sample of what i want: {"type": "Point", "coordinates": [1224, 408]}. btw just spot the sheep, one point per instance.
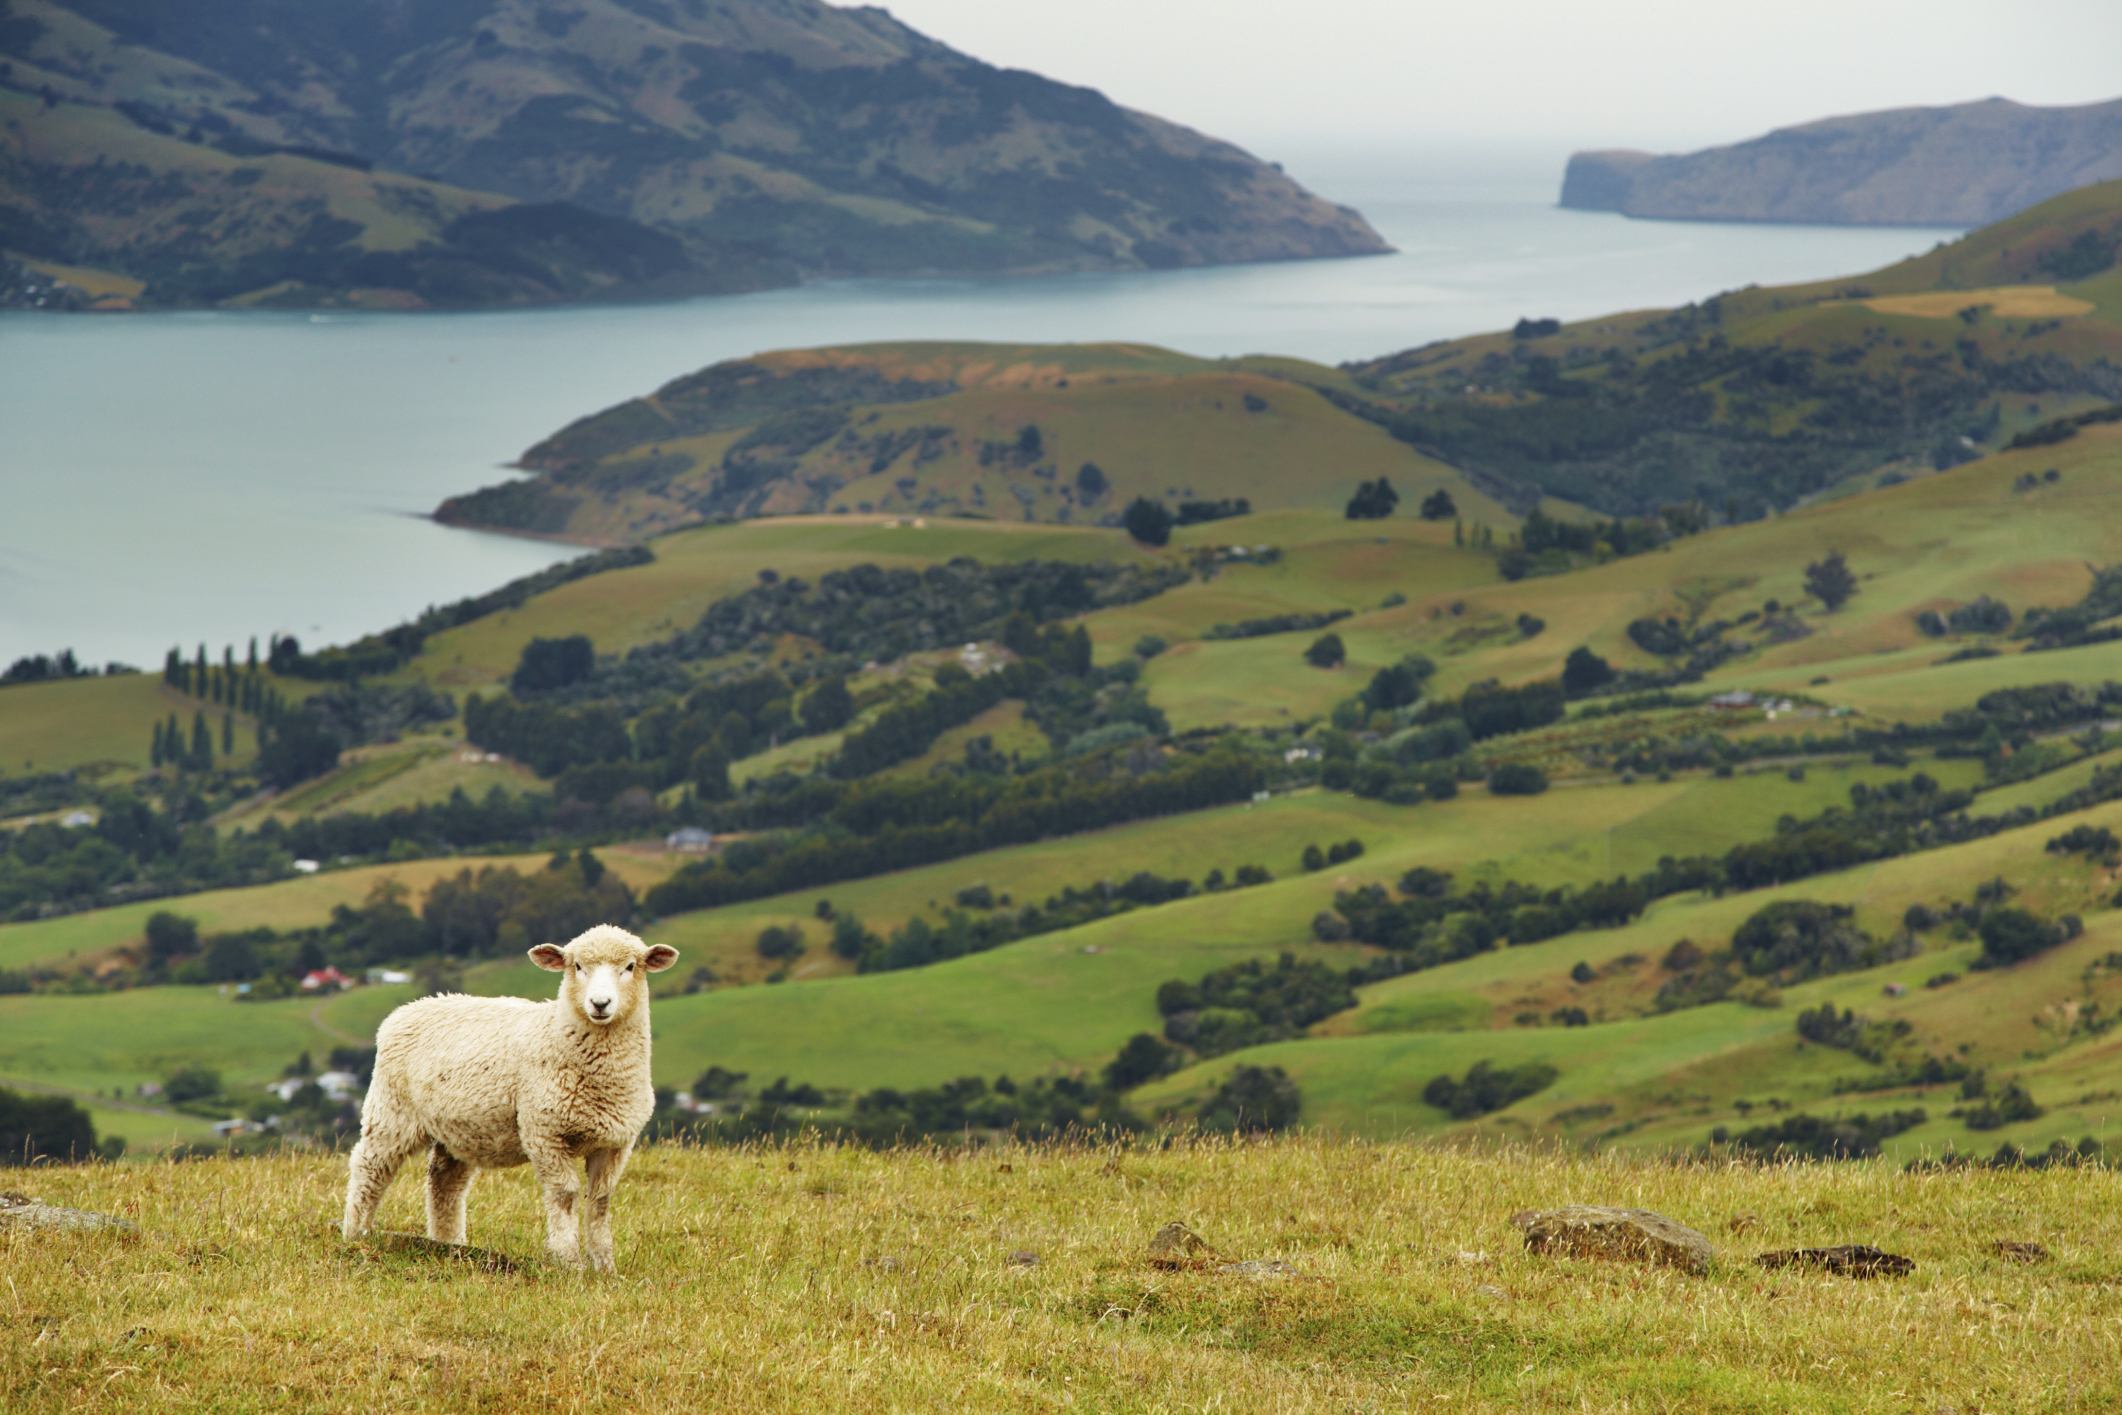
{"type": "Point", "coordinates": [492, 1082]}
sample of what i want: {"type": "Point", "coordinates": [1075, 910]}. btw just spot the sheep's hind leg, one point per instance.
{"type": "Point", "coordinates": [370, 1169]}
{"type": "Point", "coordinates": [604, 1168]}
{"type": "Point", "coordinates": [449, 1179]}
{"type": "Point", "coordinates": [555, 1169]}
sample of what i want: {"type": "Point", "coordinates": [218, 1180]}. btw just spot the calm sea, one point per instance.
{"type": "Point", "coordinates": [174, 478]}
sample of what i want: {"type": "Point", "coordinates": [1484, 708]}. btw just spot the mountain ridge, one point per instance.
{"type": "Point", "coordinates": [1966, 164]}
{"type": "Point", "coordinates": [778, 133]}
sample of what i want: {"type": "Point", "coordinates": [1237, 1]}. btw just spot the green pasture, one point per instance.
{"type": "Point", "coordinates": [121, 1039]}
{"type": "Point", "coordinates": [81, 722]}
{"type": "Point", "coordinates": [421, 770]}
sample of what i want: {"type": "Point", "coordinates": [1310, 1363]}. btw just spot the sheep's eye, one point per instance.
{"type": "Point", "coordinates": [629, 967]}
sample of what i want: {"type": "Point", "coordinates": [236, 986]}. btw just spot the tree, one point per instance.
{"type": "Point", "coordinates": [1144, 1058]}
{"type": "Point", "coordinates": [1148, 521]}
{"type": "Point", "coordinates": [297, 750]}
{"type": "Point", "coordinates": [1517, 779]}
{"type": "Point", "coordinates": [553, 663]}
{"type": "Point", "coordinates": [778, 943]}
{"type": "Point", "coordinates": [1090, 482]}
{"type": "Point", "coordinates": [202, 756]}
{"type": "Point", "coordinates": [44, 1128]}
{"type": "Point", "coordinates": [828, 707]}
{"type": "Point", "coordinates": [228, 734]}
{"type": "Point", "coordinates": [1439, 506]}
{"type": "Point", "coordinates": [1830, 581]}
{"type": "Point", "coordinates": [1327, 651]}
{"type": "Point", "coordinates": [1255, 1098]}
{"type": "Point", "coordinates": [1585, 671]}
{"type": "Point", "coordinates": [1373, 501]}
{"type": "Point", "coordinates": [710, 773]}
{"type": "Point", "coordinates": [171, 936]}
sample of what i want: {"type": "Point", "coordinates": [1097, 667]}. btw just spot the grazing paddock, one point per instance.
{"type": "Point", "coordinates": [1385, 1276]}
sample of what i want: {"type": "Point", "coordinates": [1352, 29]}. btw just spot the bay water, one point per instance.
{"type": "Point", "coordinates": [208, 476]}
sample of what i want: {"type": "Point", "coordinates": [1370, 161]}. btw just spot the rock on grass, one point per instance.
{"type": "Point", "coordinates": [1630, 1235]}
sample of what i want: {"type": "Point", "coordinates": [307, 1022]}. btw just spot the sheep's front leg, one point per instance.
{"type": "Point", "coordinates": [604, 1168]}
{"type": "Point", "coordinates": [448, 1180]}
{"type": "Point", "coordinates": [556, 1176]}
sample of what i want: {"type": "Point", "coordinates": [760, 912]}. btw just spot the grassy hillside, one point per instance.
{"type": "Point", "coordinates": [188, 223]}
{"type": "Point", "coordinates": [1752, 402]}
{"type": "Point", "coordinates": [888, 1282]}
{"type": "Point", "coordinates": [1000, 432]}
{"type": "Point", "coordinates": [708, 150]}
{"type": "Point", "coordinates": [1762, 397]}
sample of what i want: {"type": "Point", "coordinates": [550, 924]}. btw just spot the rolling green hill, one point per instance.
{"type": "Point", "coordinates": [1761, 398]}
{"type": "Point", "coordinates": [1751, 403]}
{"type": "Point", "coordinates": [1039, 706]}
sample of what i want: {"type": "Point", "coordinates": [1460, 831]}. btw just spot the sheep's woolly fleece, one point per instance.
{"type": "Point", "coordinates": [488, 1083]}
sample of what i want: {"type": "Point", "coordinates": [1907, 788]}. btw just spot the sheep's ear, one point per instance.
{"type": "Point", "coordinates": [659, 957]}
{"type": "Point", "coordinates": [549, 957]}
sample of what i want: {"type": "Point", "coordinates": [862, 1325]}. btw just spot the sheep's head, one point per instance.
{"type": "Point", "coordinates": [604, 971]}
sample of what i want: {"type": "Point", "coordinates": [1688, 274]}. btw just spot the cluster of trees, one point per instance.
{"type": "Point", "coordinates": [1981, 616]}
{"type": "Point", "coordinates": [906, 730]}
{"type": "Point", "coordinates": [53, 668]}
{"type": "Point", "coordinates": [1194, 513]}
{"type": "Point", "coordinates": [1816, 1138]}
{"type": "Point", "coordinates": [867, 613]}
{"type": "Point", "coordinates": [133, 851]}
{"type": "Point", "coordinates": [1148, 521]}
{"type": "Point", "coordinates": [1250, 1003]}
{"type": "Point", "coordinates": [1487, 1087]}
{"type": "Point", "coordinates": [49, 1130]}
{"type": "Point", "coordinates": [482, 914]}
{"type": "Point", "coordinates": [1543, 545]}
{"type": "Point", "coordinates": [1434, 925]}
{"type": "Point", "coordinates": [876, 826]}
{"type": "Point", "coordinates": [169, 746]}
{"type": "Point", "coordinates": [971, 1107]}
{"type": "Point", "coordinates": [1277, 624]}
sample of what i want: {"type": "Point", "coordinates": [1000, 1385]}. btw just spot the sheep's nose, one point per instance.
{"type": "Point", "coordinates": [600, 1004]}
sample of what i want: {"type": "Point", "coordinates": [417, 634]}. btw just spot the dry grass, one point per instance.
{"type": "Point", "coordinates": [2006, 302]}
{"type": "Point", "coordinates": [828, 1279]}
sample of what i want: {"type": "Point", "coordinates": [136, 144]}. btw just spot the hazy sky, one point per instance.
{"type": "Point", "coordinates": [1567, 73]}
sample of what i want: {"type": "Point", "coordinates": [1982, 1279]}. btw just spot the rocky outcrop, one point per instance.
{"type": "Point", "coordinates": [1965, 165]}
{"type": "Point", "coordinates": [1632, 1235]}
{"type": "Point", "coordinates": [21, 1212]}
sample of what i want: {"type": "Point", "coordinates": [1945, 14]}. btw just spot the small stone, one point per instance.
{"type": "Point", "coordinates": [1492, 1292]}
{"type": "Point", "coordinates": [1023, 1258]}
{"type": "Point", "coordinates": [1741, 1222]}
{"type": "Point", "coordinates": [1849, 1259]}
{"type": "Point", "coordinates": [887, 1263]}
{"type": "Point", "coordinates": [21, 1211]}
{"type": "Point", "coordinates": [1272, 1267]}
{"type": "Point", "coordinates": [1596, 1231]}
{"type": "Point", "coordinates": [1177, 1246]}
{"type": "Point", "coordinates": [2012, 1251]}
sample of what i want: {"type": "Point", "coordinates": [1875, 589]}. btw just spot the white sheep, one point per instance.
{"type": "Point", "coordinates": [491, 1082]}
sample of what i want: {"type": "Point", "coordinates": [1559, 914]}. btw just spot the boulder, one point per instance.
{"type": "Point", "coordinates": [1633, 1235]}
{"type": "Point", "coordinates": [1849, 1259]}
{"type": "Point", "coordinates": [1177, 1246]}
{"type": "Point", "coordinates": [20, 1211]}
